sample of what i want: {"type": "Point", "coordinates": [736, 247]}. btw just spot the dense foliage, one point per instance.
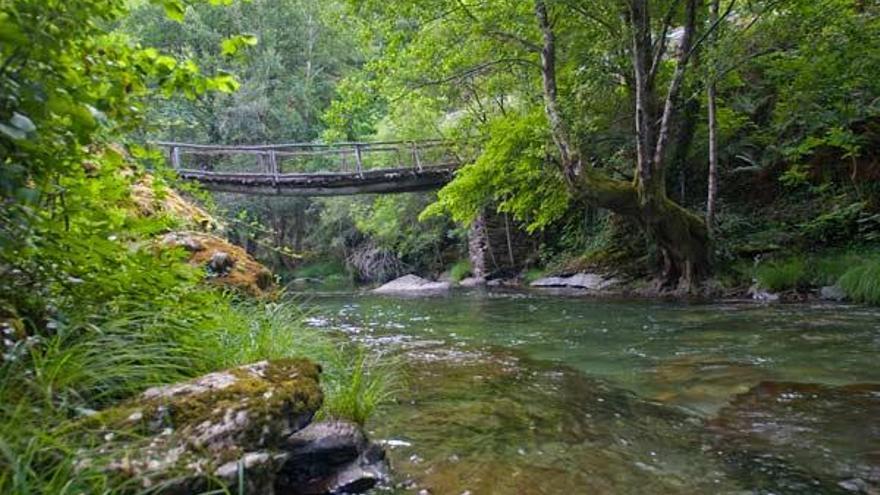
{"type": "Point", "coordinates": [540, 98]}
{"type": "Point", "coordinates": [91, 312]}
{"type": "Point", "coordinates": [797, 113]}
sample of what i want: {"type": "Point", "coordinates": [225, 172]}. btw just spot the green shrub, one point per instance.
{"type": "Point", "coordinates": [862, 283]}
{"type": "Point", "coordinates": [787, 274]}
{"type": "Point", "coordinates": [321, 269]}
{"type": "Point", "coordinates": [532, 274]}
{"type": "Point", "coordinates": [460, 270]}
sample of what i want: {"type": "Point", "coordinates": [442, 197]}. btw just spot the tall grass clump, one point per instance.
{"type": "Point", "coordinates": [862, 283]}
{"type": "Point", "coordinates": [786, 274]}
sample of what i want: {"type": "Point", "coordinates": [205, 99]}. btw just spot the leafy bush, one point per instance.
{"type": "Point", "coordinates": [90, 312]}
{"type": "Point", "coordinates": [460, 270]}
{"type": "Point", "coordinates": [851, 268]}
{"type": "Point", "coordinates": [321, 269]}
{"type": "Point", "coordinates": [533, 274]}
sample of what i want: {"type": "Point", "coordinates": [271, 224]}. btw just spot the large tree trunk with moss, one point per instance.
{"type": "Point", "coordinates": [681, 236]}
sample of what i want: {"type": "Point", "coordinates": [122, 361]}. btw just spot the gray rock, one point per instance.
{"type": "Point", "coordinates": [832, 293]}
{"type": "Point", "coordinates": [221, 262]}
{"type": "Point", "coordinates": [589, 281]}
{"type": "Point", "coordinates": [409, 284]}
{"type": "Point", "coordinates": [470, 282]}
{"type": "Point", "coordinates": [759, 294]}
{"type": "Point", "coordinates": [333, 457]}
{"type": "Point", "coordinates": [183, 240]}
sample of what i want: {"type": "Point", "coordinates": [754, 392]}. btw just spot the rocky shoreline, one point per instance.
{"type": "Point", "coordinates": [251, 426]}
{"type": "Point", "coordinates": [587, 284]}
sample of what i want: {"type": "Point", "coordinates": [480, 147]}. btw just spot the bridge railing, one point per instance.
{"type": "Point", "coordinates": [311, 159]}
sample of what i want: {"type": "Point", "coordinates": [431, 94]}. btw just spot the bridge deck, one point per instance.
{"type": "Point", "coordinates": [317, 169]}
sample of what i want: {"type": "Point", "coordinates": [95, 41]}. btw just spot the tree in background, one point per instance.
{"type": "Point", "coordinates": [573, 102]}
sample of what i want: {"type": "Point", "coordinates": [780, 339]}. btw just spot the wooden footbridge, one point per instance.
{"type": "Point", "coordinates": [316, 169]}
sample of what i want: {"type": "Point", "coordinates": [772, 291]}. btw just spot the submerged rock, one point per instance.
{"type": "Point", "coordinates": [784, 437]}
{"type": "Point", "coordinates": [412, 284]}
{"type": "Point", "coordinates": [832, 293]}
{"type": "Point", "coordinates": [589, 281]}
{"type": "Point", "coordinates": [249, 424]}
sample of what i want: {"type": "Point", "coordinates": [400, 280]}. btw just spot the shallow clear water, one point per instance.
{"type": "Point", "coordinates": [530, 394]}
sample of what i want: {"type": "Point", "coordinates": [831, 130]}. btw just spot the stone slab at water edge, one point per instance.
{"type": "Point", "coordinates": [412, 284]}
{"type": "Point", "coordinates": [589, 281]}
{"type": "Point", "coordinates": [250, 425]}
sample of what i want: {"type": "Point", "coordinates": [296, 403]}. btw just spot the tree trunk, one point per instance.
{"type": "Point", "coordinates": [681, 236]}
{"type": "Point", "coordinates": [713, 135]}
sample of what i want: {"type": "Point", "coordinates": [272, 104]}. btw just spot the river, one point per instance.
{"type": "Point", "coordinates": [517, 393]}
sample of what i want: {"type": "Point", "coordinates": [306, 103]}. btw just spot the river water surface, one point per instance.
{"type": "Point", "coordinates": [514, 393]}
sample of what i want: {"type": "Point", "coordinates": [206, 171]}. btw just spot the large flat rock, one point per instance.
{"type": "Point", "coordinates": [412, 284]}
{"type": "Point", "coordinates": [589, 281]}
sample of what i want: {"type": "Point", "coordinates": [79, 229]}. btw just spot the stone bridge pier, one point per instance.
{"type": "Point", "coordinates": [498, 247]}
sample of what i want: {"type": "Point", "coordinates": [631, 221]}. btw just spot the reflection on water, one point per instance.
{"type": "Point", "coordinates": [516, 394]}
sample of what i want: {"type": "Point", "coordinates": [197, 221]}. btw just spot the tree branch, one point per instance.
{"type": "Point", "coordinates": [558, 128]}
{"type": "Point", "coordinates": [674, 89]}
{"type": "Point", "coordinates": [472, 71]}
{"type": "Point", "coordinates": [661, 42]}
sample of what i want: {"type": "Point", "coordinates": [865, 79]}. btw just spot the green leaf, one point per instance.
{"type": "Point", "coordinates": [174, 9]}
{"type": "Point", "coordinates": [231, 46]}
{"type": "Point", "coordinates": [225, 83]}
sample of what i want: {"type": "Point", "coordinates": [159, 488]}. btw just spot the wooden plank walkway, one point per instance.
{"type": "Point", "coordinates": [305, 169]}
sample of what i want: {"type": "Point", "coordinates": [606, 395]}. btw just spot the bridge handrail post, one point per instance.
{"type": "Point", "coordinates": [415, 154]}
{"type": "Point", "coordinates": [175, 157]}
{"type": "Point", "coordinates": [273, 162]}
{"type": "Point", "coordinates": [359, 160]}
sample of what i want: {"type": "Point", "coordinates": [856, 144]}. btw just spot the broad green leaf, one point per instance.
{"type": "Point", "coordinates": [231, 46]}
{"type": "Point", "coordinates": [174, 9]}
{"type": "Point", "coordinates": [225, 83]}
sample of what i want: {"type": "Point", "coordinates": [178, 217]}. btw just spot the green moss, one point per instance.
{"type": "Point", "coordinates": [285, 388]}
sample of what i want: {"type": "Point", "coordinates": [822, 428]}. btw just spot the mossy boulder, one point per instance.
{"type": "Point", "coordinates": [225, 264]}
{"type": "Point", "coordinates": [226, 429]}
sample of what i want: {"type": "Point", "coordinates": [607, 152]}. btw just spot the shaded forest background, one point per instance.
{"type": "Point", "coordinates": [797, 88]}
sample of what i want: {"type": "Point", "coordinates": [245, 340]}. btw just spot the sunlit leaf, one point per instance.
{"type": "Point", "coordinates": [174, 9]}
{"type": "Point", "coordinates": [231, 46]}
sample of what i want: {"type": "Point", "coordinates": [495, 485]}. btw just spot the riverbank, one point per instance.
{"type": "Point", "coordinates": [133, 292]}
{"type": "Point", "coordinates": [847, 277]}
